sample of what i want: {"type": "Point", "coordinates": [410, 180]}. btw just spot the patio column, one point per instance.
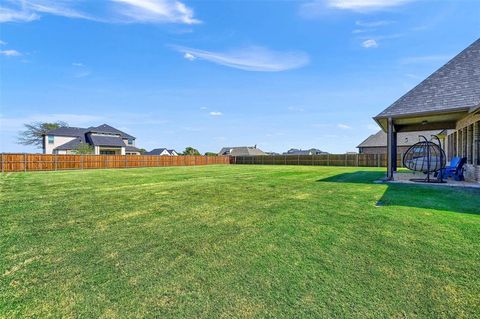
{"type": "Point", "coordinates": [391, 149]}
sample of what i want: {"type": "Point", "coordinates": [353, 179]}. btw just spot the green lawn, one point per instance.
{"type": "Point", "coordinates": [236, 241]}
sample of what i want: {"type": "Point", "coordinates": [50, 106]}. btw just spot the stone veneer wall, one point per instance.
{"type": "Point", "coordinates": [472, 173]}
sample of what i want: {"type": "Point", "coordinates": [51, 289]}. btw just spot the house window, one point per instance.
{"type": "Point", "coordinates": [50, 139]}
{"type": "Point", "coordinates": [107, 152]}
{"type": "Point", "coordinates": [130, 141]}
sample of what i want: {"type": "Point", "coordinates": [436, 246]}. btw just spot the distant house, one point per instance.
{"type": "Point", "coordinates": [241, 151]}
{"type": "Point", "coordinates": [377, 143]}
{"type": "Point", "coordinates": [162, 152]}
{"type": "Point", "coordinates": [103, 139]}
{"type": "Point", "coordinates": [312, 151]}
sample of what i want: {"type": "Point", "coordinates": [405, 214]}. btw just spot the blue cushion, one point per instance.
{"type": "Point", "coordinates": [454, 162]}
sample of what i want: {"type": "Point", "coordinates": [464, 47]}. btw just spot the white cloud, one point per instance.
{"type": "Point", "coordinates": [189, 56]}
{"type": "Point", "coordinates": [365, 5]}
{"type": "Point", "coordinates": [10, 53]}
{"type": "Point", "coordinates": [80, 70]}
{"type": "Point", "coordinates": [216, 113]}
{"type": "Point", "coordinates": [343, 126]}
{"type": "Point", "coordinates": [3, 42]}
{"type": "Point", "coordinates": [156, 11]}
{"type": "Point", "coordinates": [11, 15]}
{"type": "Point", "coordinates": [251, 58]}
{"type": "Point", "coordinates": [203, 108]}
{"type": "Point", "coordinates": [370, 43]}
{"type": "Point", "coordinates": [58, 8]}
{"type": "Point", "coordinates": [373, 24]}
{"type": "Point", "coordinates": [357, 31]}
{"type": "Point", "coordinates": [119, 11]}
{"type": "Point", "coordinates": [315, 8]}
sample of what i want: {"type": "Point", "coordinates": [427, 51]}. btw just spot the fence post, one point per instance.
{"type": "Point", "coordinates": [55, 159]}
{"type": "Point", "coordinates": [285, 159]}
{"type": "Point", "coordinates": [25, 162]}
{"type": "Point", "coordinates": [357, 160]}
{"type": "Point", "coordinates": [346, 159]}
{"type": "Point", "coordinates": [81, 161]}
{"type": "Point", "coordinates": [2, 164]}
{"type": "Point", "coordinates": [328, 159]}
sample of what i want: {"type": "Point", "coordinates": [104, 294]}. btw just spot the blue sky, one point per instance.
{"type": "Point", "coordinates": [207, 74]}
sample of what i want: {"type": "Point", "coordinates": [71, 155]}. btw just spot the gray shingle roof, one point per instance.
{"type": "Point", "coordinates": [68, 131]}
{"type": "Point", "coordinates": [379, 139]}
{"type": "Point", "coordinates": [312, 151]}
{"type": "Point", "coordinates": [79, 131]}
{"type": "Point", "coordinates": [453, 87]}
{"type": "Point", "coordinates": [72, 145]}
{"type": "Point", "coordinates": [101, 140]}
{"type": "Point", "coordinates": [105, 128]}
{"type": "Point", "coordinates": [241, 151]}
{"type": "Point", "coordinates": [156, 151]}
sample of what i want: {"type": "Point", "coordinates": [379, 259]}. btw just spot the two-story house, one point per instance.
{"type": "Point", "coordinates": [103, 139]}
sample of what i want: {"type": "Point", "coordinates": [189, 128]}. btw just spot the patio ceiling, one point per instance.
{"type": "Point", "coordinates": [424, 121]}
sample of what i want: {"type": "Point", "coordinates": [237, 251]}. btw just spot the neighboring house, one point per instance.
{"type": "Point", "coordinates": [162, 152]}
{"type": "Point", "coordinates": [104, 139]}
{"type": "Point", "coordinates": [241, 151]}
{"type": "Point", "coordinates": [377, 143]}
{"type": "Point", "coordinates": [312, 151]}
{"type": "Point", "coordinates": [447, 99]}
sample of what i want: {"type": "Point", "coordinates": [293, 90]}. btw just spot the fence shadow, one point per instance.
{"type": "Point", "coordinates": [458, 200]}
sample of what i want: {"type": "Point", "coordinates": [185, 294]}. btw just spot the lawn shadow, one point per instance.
{"type": "Point", "coordinates": [458, 200]}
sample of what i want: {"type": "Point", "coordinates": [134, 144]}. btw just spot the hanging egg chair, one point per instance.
{"type": "Point", "coordinates": [426, 157]}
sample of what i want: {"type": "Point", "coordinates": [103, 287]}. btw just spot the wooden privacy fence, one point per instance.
{"type": "Point", "coordinates": [46, 162]}
{"type": "Point", "coordinates": [358, 160]}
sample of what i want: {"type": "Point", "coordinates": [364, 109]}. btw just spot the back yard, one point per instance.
{"type": "Point", "coordinates": [235, 241]}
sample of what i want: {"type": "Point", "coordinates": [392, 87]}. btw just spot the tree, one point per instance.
{"type": "Point", "coordinates": [33, 134]}
{"type": "Point", "coordinates": [191, 151]}
{"type": "Point", "coordinates": [84, 148]}
{"type": "Point", "coordinates": [211, 154]}
{"type": "Point", "coordinates": [142, 150]}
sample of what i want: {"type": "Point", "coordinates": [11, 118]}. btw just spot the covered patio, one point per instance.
{"type": "Point", "coordinates": [448, 100]}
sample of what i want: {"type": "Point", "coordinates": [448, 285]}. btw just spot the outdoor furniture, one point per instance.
{"type": "Point", "coordinates": [427, 157]}
{"type": "Point", "coordinates": [455, 169]}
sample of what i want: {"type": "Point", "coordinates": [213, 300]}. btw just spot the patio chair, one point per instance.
{"type": "Point", "coordinates": [455, 169]}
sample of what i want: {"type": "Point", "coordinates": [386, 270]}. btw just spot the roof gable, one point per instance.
{"type": "Point", "coordinates": [157, 151]}
{"type": "Point", "coordinates": [453, 87]}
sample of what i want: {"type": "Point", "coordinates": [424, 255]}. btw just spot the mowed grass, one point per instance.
{"type": "Point", "coordinates": [236, 242]}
